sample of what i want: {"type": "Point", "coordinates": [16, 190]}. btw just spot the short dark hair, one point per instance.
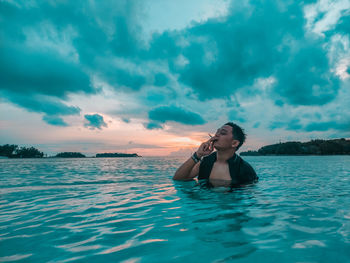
{"type": "Point", "coordinates": [237, 133]}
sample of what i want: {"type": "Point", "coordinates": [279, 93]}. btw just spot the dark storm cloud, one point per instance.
{"type": "Point", "coordinates": [33, 72]}
{"type": "Point", "coordinates": [173, 113]}
{"type": "Point", "coordinates": [32, 77]}
{"type": "Point", "coordinates": [42, 104]}
{"type": "Point", "coordinates": [94, 121]}
{"type": "Point", "coordinates": [29, 70]}
{"type": "Point", "coordinates": [255, 40]}
{"type": "Point", "coordinates": [122, 78]}
{"type": "Point", "coordinates": [215, 58]}
{"type": "Point", "coordinates": [51, 107]}
{"type": "Point", "coordinates": [164, 45]}
{"type": "Point", "coordinates": [306, 78]}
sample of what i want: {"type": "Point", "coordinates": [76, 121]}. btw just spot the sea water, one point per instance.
{"type": "Point", "coordinates": [130, 210]}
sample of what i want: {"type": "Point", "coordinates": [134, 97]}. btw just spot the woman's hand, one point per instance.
{"type": "Point", "coordinates": [205, 148]}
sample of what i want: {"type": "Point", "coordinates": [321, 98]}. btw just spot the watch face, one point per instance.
{"type": "Point", "coordinates": [194, 159]}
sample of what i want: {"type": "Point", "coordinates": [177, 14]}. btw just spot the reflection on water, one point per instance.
{"type": "Point", "coordinates": [130, 210]}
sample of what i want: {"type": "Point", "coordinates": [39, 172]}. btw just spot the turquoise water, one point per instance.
{"type": "Point", "coordinates": [130, 210]}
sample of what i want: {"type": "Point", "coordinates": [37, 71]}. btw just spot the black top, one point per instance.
{"type": "Point", "coordinates": [240, 171]}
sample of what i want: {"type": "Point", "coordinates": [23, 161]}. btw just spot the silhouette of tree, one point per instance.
{"type": "Point", "coordinates": [314, 147]}
{"type": "Point", "coordinates": [70, 155]}
{"type": "Point", "coordinates": [117, 155]}
{"type": "Point", "coordinates": [24, 152]}
{"type": "Point", "coordinates": [8, 150]}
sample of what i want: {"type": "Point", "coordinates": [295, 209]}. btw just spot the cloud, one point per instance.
{"type": "Point", "coordinates": [181, 152]}
{"type": "Point", "coordinates": [255, 40]}
{"type": "Point", "coordinates": [46, 53]}
{"type": "Point", "coordinates": [173, 113]}
{"type": "Point", "coordinates": [328, 125]}
{"type": "Point", "coordinates": [153, 126]}
{"type": "Point", "coordinates": [135, 145]}
{"type": "Point", "coordinates": [46, 57]}
{"type": "Point", "coordinates": [94, 121]}
{"type": "Point", "coordinates": [226, 54]}
{"type": "Point", "coordinates": [306, 79]}
{"type": "Point", "coordinates": [343, 25]}
{"type": "Point", "coordinates": [55, 120]}
{"type": "Point", "coordinates": [160, 79]}
{"type": "Point", "coordinates": [163, 46]}
{"type": "Point", "coordinates": [129, 79]}
{"type": "Point", "coordinates": [237, 115]}
{"type": "Point", "coordinates": [314, 123]}
{"type": "Point", "coordinates": [256, 125]}
{"type": "Point", "coordinates": [158, 95]}
{"type": "Point", "coordinates": [43, 104]}
{"type": "Point", "coordinates": [292, 125]}
{"type": "Point", "coordinates": [38, 72]}
{"type": "Point", "coordinates": [126, 120]}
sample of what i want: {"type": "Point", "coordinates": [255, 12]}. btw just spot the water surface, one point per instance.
{"type": "Point", "coordinates": [130, 210]}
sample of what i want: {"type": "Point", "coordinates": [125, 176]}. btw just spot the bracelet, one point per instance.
{"type": "Point", "coordinates": [195, 158]}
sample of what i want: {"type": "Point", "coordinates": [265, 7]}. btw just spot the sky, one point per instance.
{"type": "Point", "coordinates": [156, 76]}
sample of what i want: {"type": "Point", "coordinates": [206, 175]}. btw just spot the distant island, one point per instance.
{"type": "Point", "coordinates": [313, 147]}
{"type": "Point", "coordinates": [70, 155]}
{"type": "Point", "coordinates": [13, 151]}
{"type": "Point", "coordinates": [101, 155]}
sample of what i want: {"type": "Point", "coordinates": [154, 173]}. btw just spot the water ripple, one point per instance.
{"type": "Point", "coordinates": [119, 210]}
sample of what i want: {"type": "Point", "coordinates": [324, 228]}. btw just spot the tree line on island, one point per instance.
{"type": "Point", "coordinates": [98, 155]}
{"type": "Point", "coordinates": [14, 151]}
{"type": "Point", "coordinates": [313, 147]}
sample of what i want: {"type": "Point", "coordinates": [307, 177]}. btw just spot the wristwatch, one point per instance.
{"type": "Point", "coordinates": [195, 157]}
